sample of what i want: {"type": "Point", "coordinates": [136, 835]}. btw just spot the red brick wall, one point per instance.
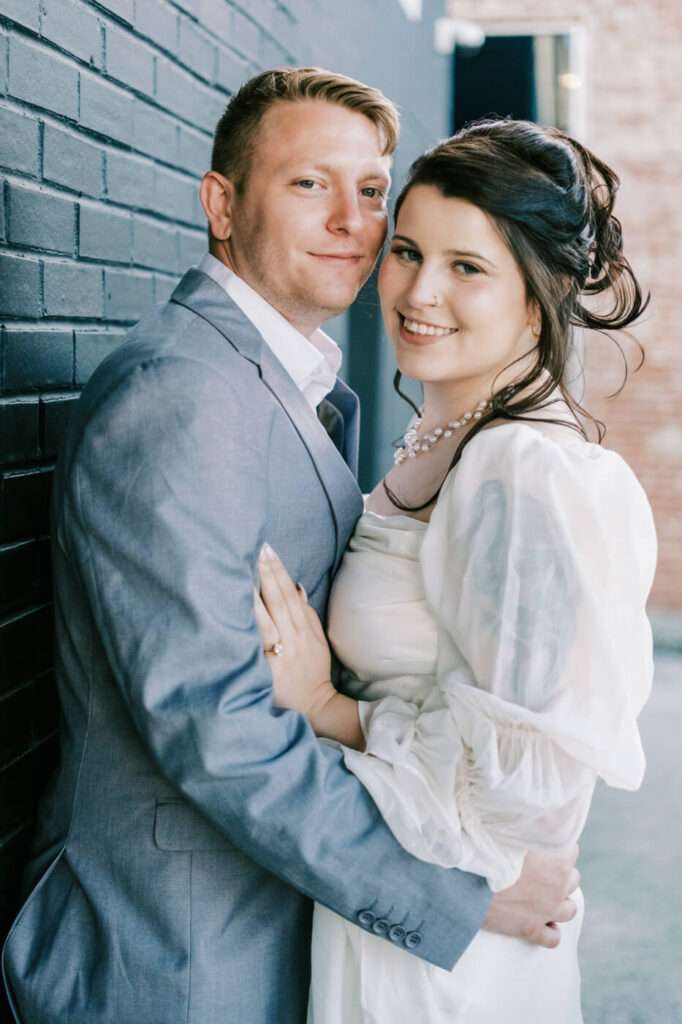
{"type": "Point", "coordinates": [633, 107]}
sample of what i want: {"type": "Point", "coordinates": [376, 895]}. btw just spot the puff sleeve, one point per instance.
{"type": "Point", "coordinates": [537, 564]}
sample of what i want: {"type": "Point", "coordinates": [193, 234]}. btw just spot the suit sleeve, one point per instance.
{"type": "Point", "coordinates": [167, 494]}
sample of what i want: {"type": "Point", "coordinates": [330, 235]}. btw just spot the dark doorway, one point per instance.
{"type": "Point", "coordinates": [497, 79]}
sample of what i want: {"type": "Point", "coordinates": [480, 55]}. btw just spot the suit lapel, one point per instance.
{"type": "Point", "coordinates": [207, 299]}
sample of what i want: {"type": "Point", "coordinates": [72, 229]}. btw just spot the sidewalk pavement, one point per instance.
{"type": "Point", "coordinates": [631, 863]}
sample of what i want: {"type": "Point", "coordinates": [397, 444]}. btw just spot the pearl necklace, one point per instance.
{"type": "Point", "coordinates": [415, 445]}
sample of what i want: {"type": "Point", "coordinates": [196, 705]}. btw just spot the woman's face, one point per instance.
{"type": "Point", "coordinates": [452, 296]}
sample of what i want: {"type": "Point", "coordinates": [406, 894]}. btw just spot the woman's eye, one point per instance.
{"type": "Point", "coordinates": [467, 269]}
{"type": "Point", "coordinates": [403, 252]}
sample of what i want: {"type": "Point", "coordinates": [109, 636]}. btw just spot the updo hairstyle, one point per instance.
{"type": "Point", "coordinates": [552, 201]}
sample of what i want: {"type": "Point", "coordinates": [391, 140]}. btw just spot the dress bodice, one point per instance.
{"type": "Point", "coordinates": [380, 624]}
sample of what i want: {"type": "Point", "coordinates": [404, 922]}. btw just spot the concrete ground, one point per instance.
{"type": "Point", "coordinates": [631, 865]}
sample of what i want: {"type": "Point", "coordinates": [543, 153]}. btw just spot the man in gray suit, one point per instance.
{"type": "Point", "coordinates": [191, 821]}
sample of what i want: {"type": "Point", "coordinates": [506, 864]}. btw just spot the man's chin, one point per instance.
{"type": "Point", "coordinates": [337, 300]}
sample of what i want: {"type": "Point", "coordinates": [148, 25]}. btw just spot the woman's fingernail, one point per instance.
{"type": "Point", "coordinates": [266, 553]}
{"type": "Point", "coordinates": [301, 590]}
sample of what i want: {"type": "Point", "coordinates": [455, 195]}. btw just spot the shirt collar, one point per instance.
{"type": "Point", "coordinates": [312, 363]}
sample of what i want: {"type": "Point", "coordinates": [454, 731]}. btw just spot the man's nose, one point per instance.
{"type": "Point", "coordinates": [345, 214]}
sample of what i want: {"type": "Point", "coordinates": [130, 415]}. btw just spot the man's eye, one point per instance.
{"type": "Point", "coordinates": [306, 183]}
{"type": "Point", "coordinates": [372, 192]}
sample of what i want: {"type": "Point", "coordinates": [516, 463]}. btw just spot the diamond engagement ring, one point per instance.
{"type": "Point", "coordinates": [277, 649]}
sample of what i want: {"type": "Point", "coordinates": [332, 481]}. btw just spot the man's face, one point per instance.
{"type": "Point", "coordinates": [309, 224]}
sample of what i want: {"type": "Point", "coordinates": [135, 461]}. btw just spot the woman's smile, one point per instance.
{"type": "Point", "coordinates": [411, 327]}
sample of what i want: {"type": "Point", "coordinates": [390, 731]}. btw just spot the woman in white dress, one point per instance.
{"type": "Point", "coordinates": [489, 611]}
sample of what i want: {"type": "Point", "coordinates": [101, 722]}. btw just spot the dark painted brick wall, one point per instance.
{"type": "Point", "coordinates": [106, 115]}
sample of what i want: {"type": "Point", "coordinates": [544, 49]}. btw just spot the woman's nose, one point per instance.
{"type": "Point", "coordinates": [424, 290]}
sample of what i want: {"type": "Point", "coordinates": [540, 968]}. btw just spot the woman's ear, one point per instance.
{"type": "Point", "coordinates": [534, 318]}
{"type": "Point", "coordinates": [217, 197]}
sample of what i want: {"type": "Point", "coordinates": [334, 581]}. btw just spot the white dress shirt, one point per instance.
{"type": "Point", "coordinates": [311, 363]}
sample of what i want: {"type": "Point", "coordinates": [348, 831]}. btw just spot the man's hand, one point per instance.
{"type": "Point", "coordinates": [532, 908]}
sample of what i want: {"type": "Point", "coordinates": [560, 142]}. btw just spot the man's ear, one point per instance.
{"type": "Point", "coordinates": [217, 196]}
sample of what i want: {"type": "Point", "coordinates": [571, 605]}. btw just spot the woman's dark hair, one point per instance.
{"type": "Point", "coordinates": [552, 200]}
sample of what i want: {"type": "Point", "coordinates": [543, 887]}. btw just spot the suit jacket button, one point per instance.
{"type": "Point", "coordinates": [366, 918]}
{"type": "Point", "coordinates": [397, 933]}
{"type": "Point", "coordinates": [381, 926]}
{"type": "Point", "coordinates": [412, 940]}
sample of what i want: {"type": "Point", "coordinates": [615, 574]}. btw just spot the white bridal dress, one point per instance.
{"type": "Point", "coordinates": [504, 655]}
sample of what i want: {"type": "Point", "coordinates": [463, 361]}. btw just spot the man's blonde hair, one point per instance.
{"type": "Point", "coordinates": [237, 130]}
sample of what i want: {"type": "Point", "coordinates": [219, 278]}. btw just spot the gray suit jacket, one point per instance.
{"type": "Point", "coordinates": [190, 821]}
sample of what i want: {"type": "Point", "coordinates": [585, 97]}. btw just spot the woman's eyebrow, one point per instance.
{"type": "Point", "coordinates": [471, 255]}
{"type": "Point", "coordinates": [459, 253]}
